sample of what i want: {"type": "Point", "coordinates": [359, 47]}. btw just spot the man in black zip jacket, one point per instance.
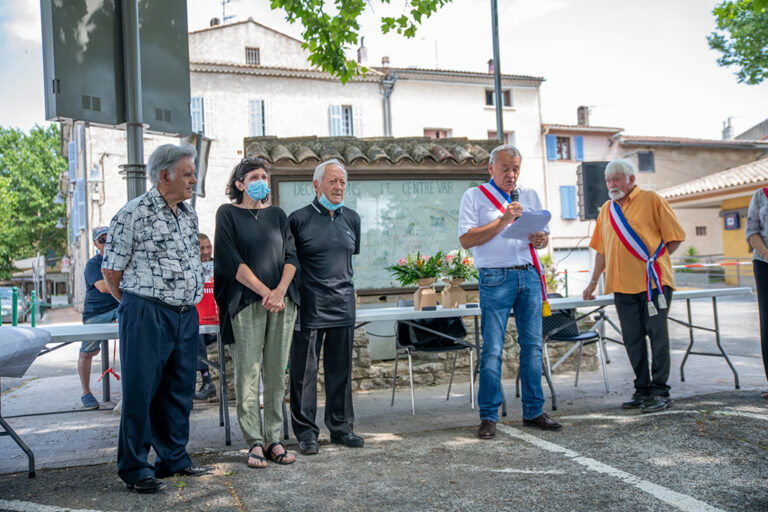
{"type": "Point", "coordinates": [327, 234]}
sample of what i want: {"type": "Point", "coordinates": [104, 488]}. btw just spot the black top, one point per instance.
{"type": "Point", "coordinates": [325, 246]}
{"type": "Point", "coordinates": [96, 302]}
{"type": "Point", "coordinates": [264, 244]}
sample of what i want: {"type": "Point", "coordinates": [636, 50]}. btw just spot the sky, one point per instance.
{"type": "Point", "coordinates": [641, 66]}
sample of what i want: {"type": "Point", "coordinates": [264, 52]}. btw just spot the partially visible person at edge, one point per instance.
{"type": "Point", "coordinates": [327, 235]}
{"type": "Point", "coordinates": [757, 236]}
{"type": "Point", "coordinates": [509, 280]}
{"type": "Point", "coordinates": [635, 233]}
{"type": "Point", "coordinates": [152, 266]}
{"type": "Point", "coordinates": [100, 308]}
{"type": "Point", "coordinates": [207, 389]}
{"type": "Point", "coordinates": [254, 267]}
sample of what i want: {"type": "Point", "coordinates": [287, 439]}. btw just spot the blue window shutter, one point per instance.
{"type": "Point", "coordinates": [578, 143]}
{"type": "Point", "coordinates": [334, 119]}
{"type": "Point", "coordinates": [551, 147]}
{"type": "Point", "coordinates": [568, 209]}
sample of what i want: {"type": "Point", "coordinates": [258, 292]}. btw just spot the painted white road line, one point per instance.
{"type": "Point", "coordinates": [678, 500]}
{"type": "Point", "coordinates": [27, 506]}
{"type": "Point", "coordinates": [634, 417]}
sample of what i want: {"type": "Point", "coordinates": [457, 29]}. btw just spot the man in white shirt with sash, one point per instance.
{"type": "Point", "coordinates": [510, 279]}
{"type": "Point", "coordinates": [636, 231]}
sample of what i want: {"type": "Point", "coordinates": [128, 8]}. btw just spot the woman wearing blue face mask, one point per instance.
{"type": "Point", "coordinates": [253, 274]}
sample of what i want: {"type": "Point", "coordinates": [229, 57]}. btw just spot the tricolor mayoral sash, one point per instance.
{"type": "Point", "coordinates": [638, 249]}
{"type": "Point", "coordinates": [500, 200]}
{"type": "Point", "coordinates": [765, 191]}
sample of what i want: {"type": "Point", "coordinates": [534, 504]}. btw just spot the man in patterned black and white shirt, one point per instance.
{"type": "Point", "coordinates": [152, 266]}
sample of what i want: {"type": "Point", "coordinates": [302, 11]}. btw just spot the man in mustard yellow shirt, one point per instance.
{"type": "Point", "coordinates": [636, 232]}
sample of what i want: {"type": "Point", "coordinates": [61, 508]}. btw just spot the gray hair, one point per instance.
{"type": "Point", "coordinates": [320, 169]}
{"type": "Point", "coordinates": [508, 149]}
{"type": "Point", "coordinates": [621, 166]}
{"type": "Point", "coordinates": [167, 157]}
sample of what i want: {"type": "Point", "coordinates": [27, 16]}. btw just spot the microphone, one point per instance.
{"type": "Point", "coordinates": [514, 196]}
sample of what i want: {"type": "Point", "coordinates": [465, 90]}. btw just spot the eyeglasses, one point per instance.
{"type": "Point", "coordinates": [102, 240]}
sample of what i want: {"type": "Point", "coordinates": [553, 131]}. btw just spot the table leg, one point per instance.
{"type": "Point", "coordinates": [719, 346]}
{"type": "Point", "coordinates": [223, 400]}
{"type": "Point", "coordinates": [690, 344]}
{"type": "Point", "coordinates": [104, 368]}
{"type": "Point", "coordinates": [8, 431]}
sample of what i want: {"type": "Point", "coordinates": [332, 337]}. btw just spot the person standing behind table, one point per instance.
{"type": "Point", "coordinates": [635, 233]}
{"type": "Point", "coordinates": [152, 266]}
{"type": "Point", "coordinates": [207, 389]}
{"type": "Point", "coordinates": [100, 308]}
{"type": "Point", "coordinates": [757, 237]}
{"type": "Point", "coordinates": [327, 235]}
{"type": "Point", "coordinates": [254, 267]}
{"type": "Point", "coordinates": [509, 280]}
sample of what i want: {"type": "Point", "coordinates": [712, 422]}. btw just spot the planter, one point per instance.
{"type": "Point", "coordinates": [453, 294]}
{"type": "Point", "coordinates": [425, 296]}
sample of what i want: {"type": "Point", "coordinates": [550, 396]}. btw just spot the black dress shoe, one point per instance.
{"type": "Point", "coordinates": [350, 440]}
{"type": "Point", "coordinates": [308, 447]}
{"type": "Point", "coordinates": [147, 485]}
{"type": "Point", "coordinates": [637, 402]}
{"type": "Point", "coordinates": [543, 422]}
{"type": "Point", "coordinates": [188, 471]}
{"type": "Point", "coordinates": [656, 403]}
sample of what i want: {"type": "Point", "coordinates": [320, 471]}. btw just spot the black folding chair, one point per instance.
{"type": "Point", "coordinates": [433, 335]}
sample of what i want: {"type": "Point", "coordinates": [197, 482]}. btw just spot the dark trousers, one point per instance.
{"type": "Point", "coordinates": [158, 354]}
{"type": "Point", "coordinates": [636, 324]}
{"type": "Point", "coordinates": [337, 365]}
{"type": "Point", "coordinates": [203, 341]}
{"type": "Point", "coordinates": [760, 269]}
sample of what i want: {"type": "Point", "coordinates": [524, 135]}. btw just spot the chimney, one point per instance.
{"type": "Point", "coordinates": [215, 21]}
{"type": "Point", "coordinates": [490, 66]}
{"type": "Point", "coordinates": [385, 61]}
{"type": "Point", "coordinates": [582, 115]}
{"type": "Point", "coordinates": [362, 52]}
{"type": "Point", "coordinates": [727, 129]}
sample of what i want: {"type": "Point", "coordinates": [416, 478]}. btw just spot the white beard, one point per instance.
{"type": "Point", "coordinates": [615, 194]}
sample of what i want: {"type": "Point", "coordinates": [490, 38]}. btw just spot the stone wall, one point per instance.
{"type": "Point", "coordinates": [429, 369]}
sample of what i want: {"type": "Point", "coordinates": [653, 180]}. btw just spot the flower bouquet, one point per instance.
{"type": "Point", "coordinates": [458, 266]}
{"type": "Point", "coordinates": [421, 270]}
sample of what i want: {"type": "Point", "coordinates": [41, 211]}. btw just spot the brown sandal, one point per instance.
{"type": "Point", "coordinates": [252, 455]}
{"type": "Point", "coordinates": [764, 394]}
{"type": "Point", "coordinates": [279, 459]}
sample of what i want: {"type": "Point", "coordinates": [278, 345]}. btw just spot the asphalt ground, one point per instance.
{"type": "Point", "coordinates": [706, 453]}
{"type": "Point", "coordinates": [709, 452]}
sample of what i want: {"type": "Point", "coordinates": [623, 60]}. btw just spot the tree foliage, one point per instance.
{"type": "Point", "coordinates": [326, 36]}
{"type": "Point", "coordinates": [742, 38]}
{"type": "Point", "coordinates": [30, 165]}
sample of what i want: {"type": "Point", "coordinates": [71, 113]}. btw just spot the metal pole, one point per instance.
{"type": "Point", "coordinates": [15, 307]}
{"type": "Point", "coordinates": [497, 70]}
{"type": "Point", "coordinates": [135, 170]}
{"type": "Point", "coordinates": [198, 149]}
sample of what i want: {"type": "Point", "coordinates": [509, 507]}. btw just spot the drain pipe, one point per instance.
{"type": "Point", "coordinates": [385, 87]}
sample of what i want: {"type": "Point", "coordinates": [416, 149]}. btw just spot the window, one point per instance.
{"type": "Point", "coordinates": [197, 112]}
{"type": "Point", "coordinates": [645, 162]}
{"type": "Point", "coordinates": [258, 115]}
{"type": "Point", "coordinates": [569, 209]}
{"type": "Point", "coordinates": [701, 230]}
{"type": "Point", "coordinates": [559, 148]}
{"type": "Point", "coordinates": [252, 56]}
{"type": "Point", "coordinates": [345, 120]}
{"type": "Point", "coordinates": [437, 133]}
{"type": "Point", "coordinates": [509, 137]}
{"type": "Point", "coordinates": [506, 97]}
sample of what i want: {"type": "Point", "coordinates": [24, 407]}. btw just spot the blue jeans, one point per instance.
{"type": "Point", "coordinates": [502, 291]}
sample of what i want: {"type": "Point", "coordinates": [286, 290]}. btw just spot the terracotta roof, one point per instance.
{"type": "Point", "coordinates": [408, 151]}
{"type": "Point", "coordinates": [245, 69]}
{"type": "Point", "coordinates": [582, 128]}
{"type": "Point", "coordinates": [454, 75]}
{"type": "Point", "coordinates": [743, 176]}
{"type": "Point", "coordinates": [644, 140]}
